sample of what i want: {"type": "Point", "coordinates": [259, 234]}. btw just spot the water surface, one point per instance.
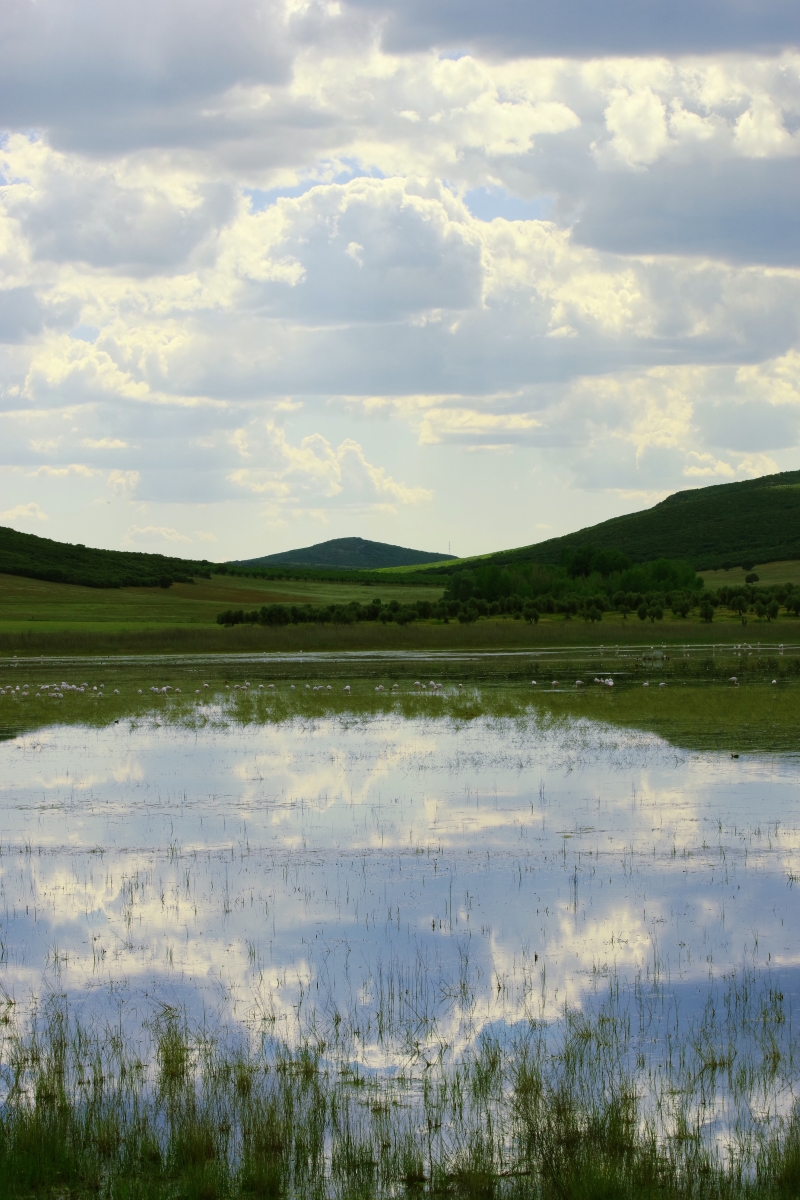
{"type": "Point", "coordinates": [396, 872]}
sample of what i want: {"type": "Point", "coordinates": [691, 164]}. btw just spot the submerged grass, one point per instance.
{"type": "Point", "coordinates": [583, 1110]}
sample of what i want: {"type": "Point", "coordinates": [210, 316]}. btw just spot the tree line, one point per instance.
{"type": "Point", "coordinates": [526, 592]}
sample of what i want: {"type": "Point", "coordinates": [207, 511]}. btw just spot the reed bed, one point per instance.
{"type": "Point", "coordinates": [589, 1106]}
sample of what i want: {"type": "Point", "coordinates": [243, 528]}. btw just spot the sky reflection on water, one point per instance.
{"type": "Point", "coordinates": [382, 868]}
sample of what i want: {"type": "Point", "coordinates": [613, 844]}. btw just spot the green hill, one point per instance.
{"type": "Point", "coordinates": [60, 562]}
{"type": "Point", "coordinates": [710, 528]}
{"type": "Point", "coordinates": [353, 554]}
{"type": "Point", "coordinates": [727, 525]}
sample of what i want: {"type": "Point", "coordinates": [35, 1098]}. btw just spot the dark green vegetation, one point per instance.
{"type": "Point", "coordinates": [727, 525]}
{"type": "Point", "coordinates": [581, 1109]}
{"type": "Point", "coordinates": [593, 585]}
{"type": "Point", "coordinates": [59, 562]}
{"type": "Point", "coordinates": [352, 553]}
{"type": "Point", "coordinates": [638, 570]}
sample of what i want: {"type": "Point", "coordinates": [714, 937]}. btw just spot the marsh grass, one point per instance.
{"type": "Point", "coordinates": [698, 708]}
{"type": "Point", "coordinates": [590, 1106]}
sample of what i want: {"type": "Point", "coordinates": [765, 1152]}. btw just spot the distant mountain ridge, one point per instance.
{"type": "Point", "coordinates": [352, 554]}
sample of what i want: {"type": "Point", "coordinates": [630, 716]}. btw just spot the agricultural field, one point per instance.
{"type": "Point", "coordinates": [62, 606]}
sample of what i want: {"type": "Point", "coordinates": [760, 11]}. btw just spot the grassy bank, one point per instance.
{"type": "Point", "coordinates": [89, 638]}
{"type": "Point", "coordinates": [590, 1107]}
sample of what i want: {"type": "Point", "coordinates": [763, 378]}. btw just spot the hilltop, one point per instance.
{"type": "Point", "coordinates": [719, 527]}
{"type": "Point", "coordinates": [352, 554]}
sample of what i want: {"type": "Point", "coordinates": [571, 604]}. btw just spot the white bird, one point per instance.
{"type": "Point", "coordinates": [271, 687]}
{"type": "Point", "coordinates": [662, 685]}
{"type": "Point", "coordinates": [292, 687]}
{"type": "Point", "coordinates": [308, 687]}
{"type": "Point", "coordinates": [140, 691]}
{"type": "Point", "coordinates": [578, 683]}
{"type": "Point", "coordinates": [116, 691]}
{"type": "Point", "coordinates": [347, 687]}
{"type": "Point", "coordinates": [774, 681]}
{"type": "Point", "coordinates": [646, 683]}
{"type": "Point", "coordinates": [417, 683]}
{"type": "Point", "coordinates": [328, 688]}
{"type": "Point", "coordinates": [555, 683]}
{"type": "Point", "coordinates": [533, 683]}
{"type": "Point", "coordinates": [205, 685]}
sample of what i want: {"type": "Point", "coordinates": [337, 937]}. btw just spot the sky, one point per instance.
{"type": "Point", "coordinates": [453, 274]}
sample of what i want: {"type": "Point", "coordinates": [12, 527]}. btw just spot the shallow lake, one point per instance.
{"type": "Point", "coordinates": [416, 875]}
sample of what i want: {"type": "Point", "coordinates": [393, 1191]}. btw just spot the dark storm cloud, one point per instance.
{"type": "Point", "coordinates": [751, 425]}
{"type": "Point", "coordinates": [587, 29]}
{"type": "Point", "coordinates": [741, 209]}
{"type": "Point", "coordinates": [68, 66]}
{"type": "Point", "coordinates": [20, 314]}
{"type": "Point", "coordinates": [97, 222]}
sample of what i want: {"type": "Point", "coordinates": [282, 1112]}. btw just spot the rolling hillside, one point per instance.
{"type": "Point", "coordinates": [352, 553]}
{"type": "Point", "coordinates": [720, 527]}
{"type": "Point", "coordinates": [60, 562]}
{"type": "Point", "coordinates": [727, 525]}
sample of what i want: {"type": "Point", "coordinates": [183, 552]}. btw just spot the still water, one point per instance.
{"type": "Point", "coordinates": [400, 873]}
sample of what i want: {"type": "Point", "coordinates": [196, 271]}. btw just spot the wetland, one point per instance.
{"type": "Point", "coordinates": [401, 924]}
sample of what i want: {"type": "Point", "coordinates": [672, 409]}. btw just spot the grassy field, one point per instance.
{"type": "Point", "coordinates": [772, 572]}
{"type": "Point", "coordinates": [37, 617]}
{"type": "Point", "coordinates": [29, 638]}
{"type": "Point", "coordinates": [62, 606]}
